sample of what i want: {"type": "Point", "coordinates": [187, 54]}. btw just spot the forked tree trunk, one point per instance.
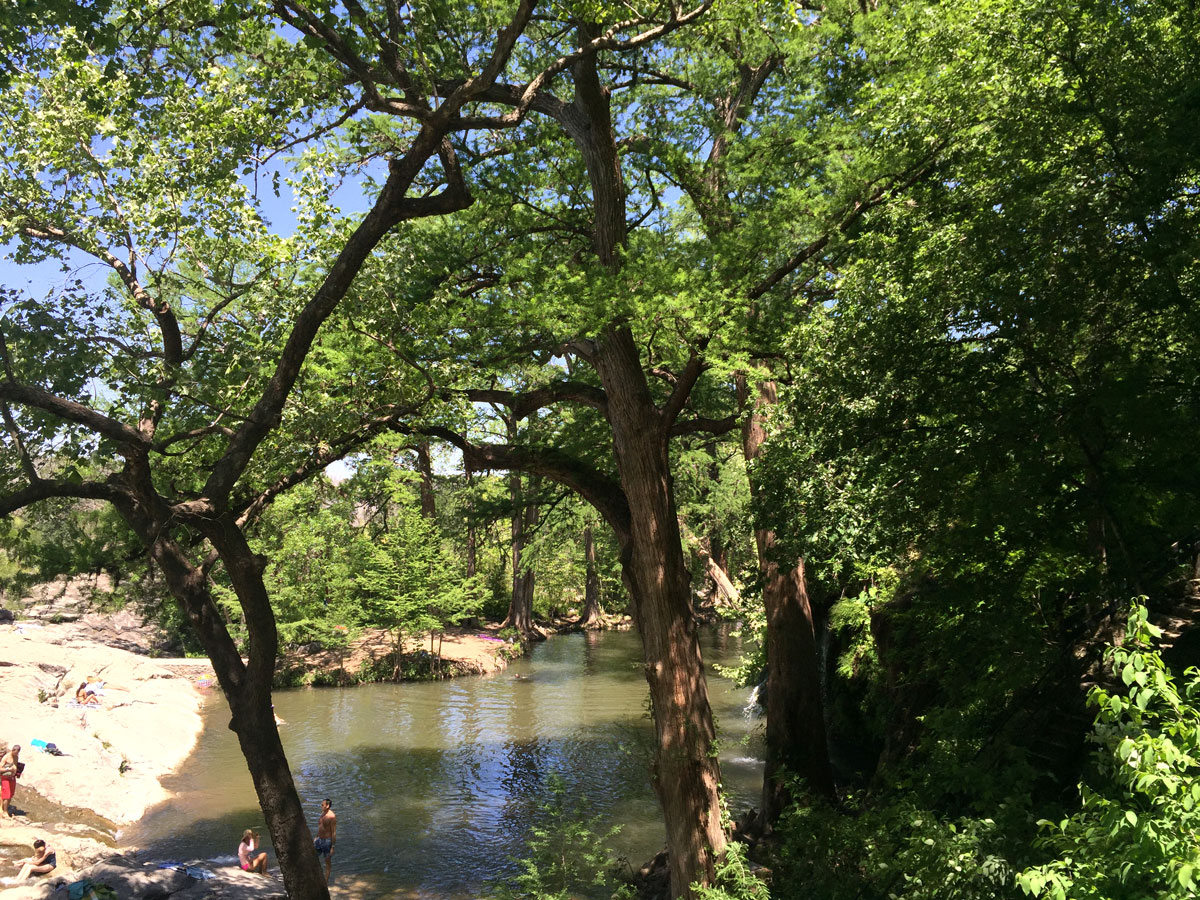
{"type": "Point", "coordinates": [593, 615]}
{"type": "Point", "coordinates": [796, 743]}
{"type": "Point", "coordinates": [686, 775]}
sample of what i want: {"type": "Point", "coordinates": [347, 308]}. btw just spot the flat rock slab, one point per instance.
{"type": "Point", "coordinates": [131, 880]}
{"type": "Point", "coordinates": [115, 753]}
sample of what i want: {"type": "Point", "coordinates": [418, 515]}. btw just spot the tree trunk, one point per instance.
{"type": "Point", "coordinates": [795, 740]}
{"type": "Point", "coordinates": [1192, 591]}
{"type": "Point", "coordinates": [593, 614]}
{"type": "Point", "coordinates": [472, 535]}
{"type": "Point", "coordinates": [685, 775]}
{"type": "Point", "coordinates": [524, 517]}
{"type": "Point", "coordinates": [725, 592]}
{"type": "Point", "coordinates": [425, 468]}
{"type": "Point", "coordinates": [716, 544]}
{"type": "Point", "coordinates": [247, 685]}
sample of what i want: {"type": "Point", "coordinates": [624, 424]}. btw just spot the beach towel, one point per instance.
{"type": "Point", "coordinates": [88, 890]}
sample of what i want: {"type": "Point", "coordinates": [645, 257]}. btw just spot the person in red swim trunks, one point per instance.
{"type": "Point", "coordinates": [10, 768]}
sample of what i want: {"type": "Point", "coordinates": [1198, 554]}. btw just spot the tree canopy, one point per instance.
{"type": "Point", "coordinates": [935, 264]}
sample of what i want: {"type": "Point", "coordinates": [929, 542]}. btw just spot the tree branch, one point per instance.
{"type": "Point", "coordinates": [523, 403]}
{"type": "Point", "coordinates": [71, 411]}
{"type": "Point", "coordinates": [702, 425]}
{"type": "Point", "coordinates": [684, 383]}
{"type": "Point", "coordinates": [601, 491]}
{"type": "Point", "coordinates": [859, 209]}
{"type": "Point", "coordinates": [390, 208]}
{"type": "Point", "coordinates": [46, 489]}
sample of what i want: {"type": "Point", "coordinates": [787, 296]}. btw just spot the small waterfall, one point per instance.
{"type": "Point", "coordinates": [754, 707]}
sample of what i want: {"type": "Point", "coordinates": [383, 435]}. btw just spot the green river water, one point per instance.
{"type": "Point", "coordinates": [437, 784]}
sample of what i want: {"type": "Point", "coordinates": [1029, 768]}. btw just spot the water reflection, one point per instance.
{"type": "Point", "coordinates": [436, 785]}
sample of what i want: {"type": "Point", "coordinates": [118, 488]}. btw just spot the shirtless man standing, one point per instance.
{"type": "Point", "coordinates": [10, 769]}
{"type": "Point", "coordinates": [326, 835]}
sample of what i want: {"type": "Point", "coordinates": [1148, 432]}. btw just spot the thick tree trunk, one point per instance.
{"type": "Point", "coordinates": [686, 775]}
{"type": "Point", "coordinates": [593, 615]}
{"type": "Point", "coordinates": [247, 685]}
{"type": "Point", "coordinates": [796, 741]}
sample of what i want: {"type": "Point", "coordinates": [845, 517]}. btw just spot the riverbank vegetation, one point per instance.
{"type": "Point", "coordinates": [873, 325]}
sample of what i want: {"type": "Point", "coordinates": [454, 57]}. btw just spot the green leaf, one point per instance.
{"type": "Point", "coordinates": [1185, 875]}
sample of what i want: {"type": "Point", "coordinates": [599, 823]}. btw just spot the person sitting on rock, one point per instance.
{"type": "Point", "coordinates": [42, 862]}
{"type": "Point", "coordinates": [85, 695]}
{"type": "Point", "coordinates": [248, 856]}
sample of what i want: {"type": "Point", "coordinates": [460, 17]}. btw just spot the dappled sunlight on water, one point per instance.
{"type": "Point", "coordinates": [436, 785]}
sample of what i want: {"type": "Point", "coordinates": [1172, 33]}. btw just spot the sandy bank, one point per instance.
{"type": "Point", "coordinates": [115, 756]}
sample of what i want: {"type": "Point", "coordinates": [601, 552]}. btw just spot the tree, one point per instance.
{"type": "Point", "coordinates": [582, 286]}
{"type": "Point", "coordinates": [314, 562]}
{"type": "Point", "coordinates": [205, 409]}
{"type": "Point", "coordinates": [985, 412]}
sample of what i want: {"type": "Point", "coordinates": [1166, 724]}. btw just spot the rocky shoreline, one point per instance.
{"type": "Point", "coordinates": [115, 755]}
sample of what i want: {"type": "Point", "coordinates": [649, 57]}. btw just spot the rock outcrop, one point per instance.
{"type": "Point", "coordinates": [113, 753]}
{"type": "Point", "coordinates": [131, 880]}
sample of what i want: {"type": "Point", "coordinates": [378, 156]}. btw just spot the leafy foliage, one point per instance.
{"type": "Point", "coordinates": [1137, 831]}
{"type": "Point", "coordinates": [896, 848]}
{"type": "Point", "coordinates": [567, 857]}
{"type": "Point", "coordinates": [363, 557]}
{"type": "Point", "coordinates": [735, 879]}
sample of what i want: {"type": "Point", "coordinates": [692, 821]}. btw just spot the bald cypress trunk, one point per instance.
{"type": "Point", "coordinates": [686, 774]}
{"type": "Point", "coordinates": [593, 615]}
{"type": "Point", "coordinates": [796, 741]}
{"type": "Point", "coordinates": [524, 518]}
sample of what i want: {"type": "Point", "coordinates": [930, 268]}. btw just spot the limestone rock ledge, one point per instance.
{"type": "Point", "coordinates": [145, 881]}
{"type": "Point", "coordinates": [113, 754]}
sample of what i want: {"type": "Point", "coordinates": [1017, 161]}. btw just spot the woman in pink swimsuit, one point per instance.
{"type": "Point", "coordinates": [248, 856]}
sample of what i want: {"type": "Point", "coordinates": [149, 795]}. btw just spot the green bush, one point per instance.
{"type": "Point", "coordinates": [736, 879]}
{"type": "Point", "coordinates": [1137, 833]}
{"type": "Point", "coordinates": [895, 848]}
{"type": "Point", "coordinates": [567, 856]}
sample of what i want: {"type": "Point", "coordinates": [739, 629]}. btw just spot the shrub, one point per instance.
{"type": "Point", "coordinates": [1137, 833]}
{"type": "Point", "coordinates": [567, 856]}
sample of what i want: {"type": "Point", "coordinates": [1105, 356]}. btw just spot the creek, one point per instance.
{"type": "Point", "coordinates": [437, 784]}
